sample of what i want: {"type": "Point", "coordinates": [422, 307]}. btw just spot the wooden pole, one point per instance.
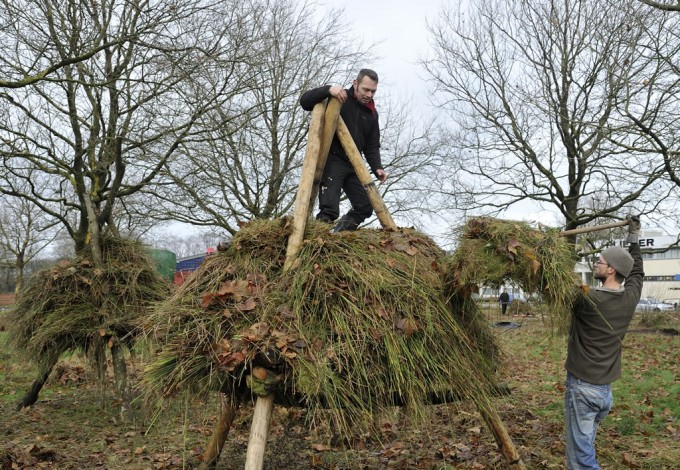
{"type": "Point", "coordinates": [303, 196]}
{"type": "Point", "coordinates": [594, 228]}
{"type": "Point", "coordinates": [258, 432]}
{"type": "Point", "coordinates": [264, 404]}
{"type": "Point", "coordinates": [329, 126]}
{"type": "Point", "coordinates": [503, 439]}
{"type": "Point", "coordinates": [228, 408]}
{"type": "Point", "coordinates": [364, 176]}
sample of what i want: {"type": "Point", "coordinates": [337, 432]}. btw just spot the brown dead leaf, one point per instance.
{"type": "Point", "coordinates": [289, 353]}
{"type": "Point", "coordinates": [285, 311]}
{"type": "Point", "coordinates": [321, 447]}
{"type": "Point", "coordinates": [207, 299]}
{"type": "Point", "coordinates": [407, 325]}
{"type": "Point", "coordinates": [376, 334]}
{"type": "Point", "coordinates": [403, 247]}
{"type": "Point", "coordinates": [475, 430]}
{"type": "Point", "coordinates": [627, 460]}
{"type": "Point", "coordinates": [255, 332]}
{"type": "Point", "coordinates": [512, 246]}
{"type": "Point", "coordinates": [246, 306]}
{"type": "Point", "coordinates": [535, 266]}
{"type": "Point", "coordinates": [383, 313]}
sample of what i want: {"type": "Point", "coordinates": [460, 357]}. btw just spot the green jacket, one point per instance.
{"type": "Point", "coordinates": [599, 324]}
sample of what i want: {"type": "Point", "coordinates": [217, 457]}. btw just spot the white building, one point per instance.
{"type": "Point", "coordinates": [661, 265]}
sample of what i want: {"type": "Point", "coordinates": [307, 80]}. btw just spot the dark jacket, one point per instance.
{"type": "Point", "coordinates": [361, 122]}
{"type": "Point", "coordinates": [599, 324]}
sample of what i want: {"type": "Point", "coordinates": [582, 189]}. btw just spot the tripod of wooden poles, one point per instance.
{"type": "Point", "coordinates": [325, 123]}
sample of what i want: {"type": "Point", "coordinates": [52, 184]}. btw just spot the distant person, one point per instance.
{"type": "Point", "coordinates": [359, 114]}
{"type": "Point", "coordinates": [504, 300]}
{"type": "Point", "coordinates": [599, 323]}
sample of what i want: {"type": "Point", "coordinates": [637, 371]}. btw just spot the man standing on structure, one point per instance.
{"type": "Point", "coordinates": [598, 326]}
{"type": "Point", "coordinates": [359, 114]}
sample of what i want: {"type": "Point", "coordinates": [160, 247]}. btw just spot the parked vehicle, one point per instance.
{"type": "Point", "coordinates": [653, 305]}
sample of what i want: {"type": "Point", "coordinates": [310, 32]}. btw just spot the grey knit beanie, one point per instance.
{"type": "Point", "coordinates": [619, 259]}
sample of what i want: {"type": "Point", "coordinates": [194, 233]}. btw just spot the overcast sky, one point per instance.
{"type": "Point", "coordinates": [399, 30]}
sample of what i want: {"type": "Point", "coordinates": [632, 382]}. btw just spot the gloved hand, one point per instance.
{"type": "Point", "coordinates": [633, 228]}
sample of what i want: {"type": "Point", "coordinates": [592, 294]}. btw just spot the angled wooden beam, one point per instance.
{"type": "Point", "coordinates": [304, 192]}
{"type": "Point", "coordinates": [329, 126]}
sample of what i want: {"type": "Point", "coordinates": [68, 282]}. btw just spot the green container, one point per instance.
{"type": "Point", "coordinates": [165, 261]}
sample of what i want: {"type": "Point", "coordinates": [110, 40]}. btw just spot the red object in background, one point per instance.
{"type": "Point", "coordinates": [180, 276]}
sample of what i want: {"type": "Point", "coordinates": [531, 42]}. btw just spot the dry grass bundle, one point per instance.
{"type": "Point", "coordinates": [66, 307]}
{"type": "Point", "coordinates": [361, 323]}
{"type": "Point", "coordinates": [492, 252]}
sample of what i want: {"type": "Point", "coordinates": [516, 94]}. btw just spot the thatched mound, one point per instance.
{"type": "Point", "coordinates": [493, 251]}
{"type": "Point", "coordinates": [361, 323]}
{"type": "Point", "coordinates": [67, 307]}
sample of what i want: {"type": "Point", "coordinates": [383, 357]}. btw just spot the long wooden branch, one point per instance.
{"type": "Point", "coordinates": [594, 228]}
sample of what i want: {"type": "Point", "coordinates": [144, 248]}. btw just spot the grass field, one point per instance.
{"type": "Point", "coordinates": [69, 428]}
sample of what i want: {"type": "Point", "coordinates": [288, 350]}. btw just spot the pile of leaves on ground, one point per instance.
{"type": "Point", "coordinates": [70, 306]}
{"type": "Point", "coordinates": [492, 252]}
{"type": "Point", "coordinates": [363, 321]}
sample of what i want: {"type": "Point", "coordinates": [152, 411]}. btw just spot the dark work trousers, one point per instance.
{"type": "Point", "coordinates": [339, 175]}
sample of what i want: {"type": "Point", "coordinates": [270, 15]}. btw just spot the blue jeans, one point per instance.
{"type": "Point", "coordinates": [585, 406]}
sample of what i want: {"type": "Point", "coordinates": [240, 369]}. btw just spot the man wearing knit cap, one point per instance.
{"type": "Point", "coordinates": [598, 326]}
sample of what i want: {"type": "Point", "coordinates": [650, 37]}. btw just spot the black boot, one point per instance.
{"type": "Point", "coordinates": [345, 225]}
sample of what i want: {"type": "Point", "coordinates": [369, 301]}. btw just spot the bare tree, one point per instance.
{"type": "Point", "coordinates": [25, 231]}
{"type": "Point", "coordinates": [537, 91]}
{"type": "Point", "coordinates": [652, 101]}
{"type": "Point", "coordinates": [46, 59]}
{"type": "Point", "coordinates": [246, 166]}
{"type": "Point", "coordinates": [97, 131]}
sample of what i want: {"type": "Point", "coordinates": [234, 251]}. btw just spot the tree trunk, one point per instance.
{"type": "Point", "coordinates": [364, 176]}
{"type": "Point", "coordinates": [93, 231]}
{"type": "Point", "coordinates": [121, 378]}
{"type": "Point", "coordinates": [99, 356]}
{"type": "Point", "coordinates": [228, 407]}
{"type": "Point", "coordinates": [31, 396]}
{"type": "Point", "coordinates": [258, 432]}
{"type": "Point", "coordinates": [19, 266]}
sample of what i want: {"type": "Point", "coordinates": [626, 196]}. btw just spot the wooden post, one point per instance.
{"type": "Point", "coordinates": [364, 176]}
{"type": "Point", "coordinates": [264, 404]}
{"type": "Point", "coordinates": [303, 196]}
{"type": "Point", "coordinates": [500, 433]}
{"type": "Point", "coordinates": [329, 127]}
{"type": "Point", "coordinates": [228, 408]}
{"type": "Point", "coordinates": [258, 432]}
